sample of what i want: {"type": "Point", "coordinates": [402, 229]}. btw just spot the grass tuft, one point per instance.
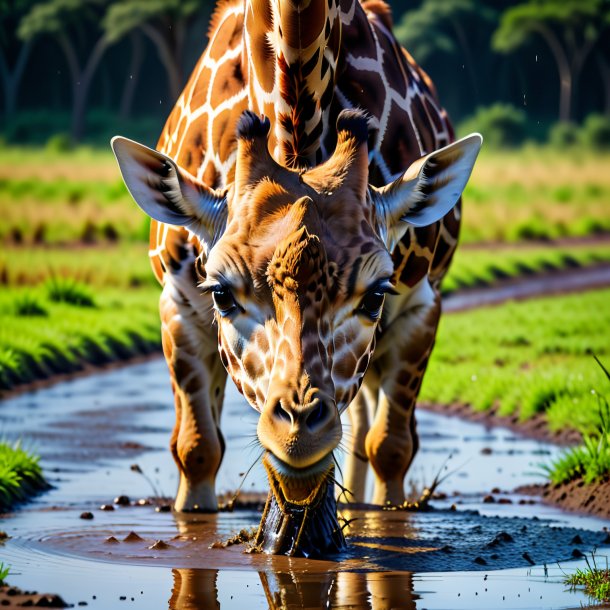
{"type": "Point", "coordinates": [4, 572]}
{"type": "Point", "coordinates": [594, 580]}
{"type": "Point", "coordinates": [65, 290]}
{"type": "Point", "coordinates": [29, 306]}
{"type": "Point", "coordinates": [20, 475]}
{"type": "Point", "coordinates": [591, 460]}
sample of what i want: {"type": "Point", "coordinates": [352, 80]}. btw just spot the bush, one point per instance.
{"type": "Point", "coordinates": [596, 131]}
{"type": "Point", "coordinates": [62, 290]}
{"type": "Point", "coordinates": [562, 135]}
{"type": "Point", "coordinates": [501, 125]}
{"type": "Point", "coordinates": [60, 142]}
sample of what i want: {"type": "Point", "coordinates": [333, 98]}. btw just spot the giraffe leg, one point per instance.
{"type": "Point", "coordinates": [357, 461]}
{"type": "Point", "coordinates": [198, 380]}
{"type": "Point", "coordinates": [392, 442]}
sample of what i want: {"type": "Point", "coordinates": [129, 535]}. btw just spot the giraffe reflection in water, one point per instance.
{"type": "Point", "coordinates": [196, 589]}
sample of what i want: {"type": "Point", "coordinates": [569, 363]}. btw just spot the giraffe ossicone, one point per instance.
{"type": "Point", "coordinates": [320, 274]}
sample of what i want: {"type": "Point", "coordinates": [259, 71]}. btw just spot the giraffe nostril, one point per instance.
{"type": "Point", "coordinates": [318, 415]}
{"type": "Point", "coordinates": [280, 413]}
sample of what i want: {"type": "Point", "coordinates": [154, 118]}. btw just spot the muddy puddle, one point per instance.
{"type": "Point", "coordinates": [481, 546]}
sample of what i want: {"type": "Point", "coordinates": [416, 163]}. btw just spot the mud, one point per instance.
{"type": "Point", "coordinates": [535, 428]}
{"type": "Point", "coordinates": [538, 284]}
{"type": "Point", "coordinates": [593, 499]}
{"type": "Point", "coordinates": [92, 432]}
{"type": "Point", "coordinates": [13, 597]}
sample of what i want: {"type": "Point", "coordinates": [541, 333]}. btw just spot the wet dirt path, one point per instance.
{"type": "Point", "coordinates": [540, 284]}
{"type": "Point", "coordinates": [92, 430]}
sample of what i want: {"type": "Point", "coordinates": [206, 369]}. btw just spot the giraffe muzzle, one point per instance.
{"type": "Point", "coordinates": [305, 524]}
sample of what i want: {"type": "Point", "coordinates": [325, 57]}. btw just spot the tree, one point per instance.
{"type": "Point", "coordinates": [439, 26]}
{"type": "Point", "coordinates": [570, 28]}
{"type": "Point", "coordinates": [14, 55]}
{"type": "Point", "coordinates": [165, 23]}
{"type": "Point", "coordinates": [63, 19]}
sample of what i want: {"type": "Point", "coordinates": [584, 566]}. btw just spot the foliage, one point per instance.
{"type": "Point", "coordinates": [500, 125]}
{"type": "Point", "coordinates": [537, 360]}
{"type": "Point", "coordinates": [122, 17]}
{"type": "Point", "coordinates": [20, 475]}
{"type": "Point", "coordinates": [594, 580]}
{"type": "Point", "coordinates": [67, 290]}
{"type": "Point", "coordinates": [596, 132]}
{"type": "Point", "coordinates": [570, 28]}
{"type": "Point", "coordinates": [564, 135]}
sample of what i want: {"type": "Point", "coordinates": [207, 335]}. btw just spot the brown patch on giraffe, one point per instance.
{"type": "Point", "coordinates": [360, 89]}
{"type": "Point", "coordinates": [302, 22]}
{"type": "Point", "coordinates": [433, 114]}
{"type": "Point", "coordinates": [400, 146]}
{"type": "Point", "coordinates": [414, 270]}
{"type": "Point", "coordinates": [393, 63]}
{"type": "Point", "coordinates": [225, 85]}
{"type": "Point", "coordinates": [259, 22]}
{"type": "Point", "coordinates": [227, 36]}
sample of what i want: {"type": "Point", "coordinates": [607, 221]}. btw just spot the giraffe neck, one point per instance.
{"type": "Point", "coordinates": [292, 49]}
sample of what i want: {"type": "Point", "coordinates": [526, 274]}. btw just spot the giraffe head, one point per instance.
{"type": "Point", "coordinates": [298, 266]}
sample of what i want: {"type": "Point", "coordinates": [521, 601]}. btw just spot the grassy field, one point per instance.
{"type": "Point", "coordinates": [535, 193]}
{"type": "Point", "coordinates": [107, 304]}
{"type": "Point", "coordinates": [526, 358]}
{"type": "Point", "coordinates": [60, 326]}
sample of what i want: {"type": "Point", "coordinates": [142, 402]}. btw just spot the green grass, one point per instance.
{"type": "Point", "coordinates": [591, 460]}
{"type": "Point", "coordinates": [595, 581]}
{"type": "Point", "coordinates": [526, 358]}
{"type": "Point", "coordinates": [4, 572]}
{"type": "Point", "coordinates": [20, 477]}
{"type": "Point", "coordinates": [122, 325]}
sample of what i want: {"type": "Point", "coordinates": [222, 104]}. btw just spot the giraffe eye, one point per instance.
{"type": "Point", "coordinates": [223, 301]}
{"type": "Point", "coordinates": [372, 303]}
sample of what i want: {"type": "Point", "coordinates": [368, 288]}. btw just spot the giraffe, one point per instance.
{"type": "Point", "coordinates": [305, 199]}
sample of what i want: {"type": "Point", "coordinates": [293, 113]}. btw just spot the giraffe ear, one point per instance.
{"type": "Point", "coordinates": [428, 190]}
{"type": "Point", "coordinates": [168, 193]}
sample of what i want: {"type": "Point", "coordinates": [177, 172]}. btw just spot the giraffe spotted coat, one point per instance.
{"type": "Point", "coordinates": [303, 252]}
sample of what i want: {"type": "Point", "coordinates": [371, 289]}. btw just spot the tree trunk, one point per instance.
{"type": "Point", "coordinates": [12, 80]}
{"type": "Point", "coordinates": [168, 59]}
{"type": "Point", "coordinates": [137, 56]}
{"type": "Point", "coordinates": [604, 71]}
{"type": "Point", "coordinates": [468, 59]}
{"type": "Point", "coordinates": [80, 101]}
{"type": "Point", "coordinates": [565, 72]}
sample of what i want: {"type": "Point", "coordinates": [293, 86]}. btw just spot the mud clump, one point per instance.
{"type": "Point", "coordinates": [133, 537]}
{"type": "Point", "coordinates": [160, 545]}
{"type": "Point", "coordinates": [242, 537]}
{"type": "Point", "coordinates": [13, 597]}
{"type": "Point", "coordinates": [87, 515]}
{"type": "Point", "coordinates": [122, 501]}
